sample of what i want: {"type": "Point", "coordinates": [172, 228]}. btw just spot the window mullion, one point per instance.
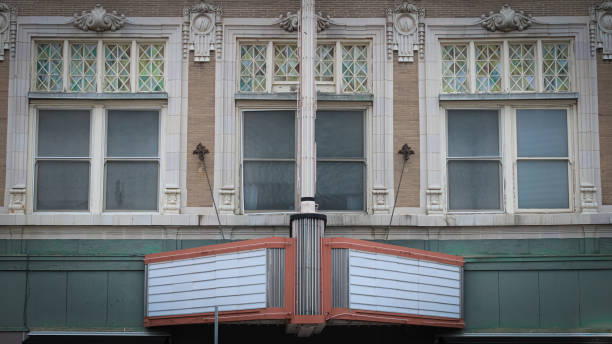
{"type": "Point", "coordinates": [269, 66]}
{"type": "Point", "coordinates": [66, 67]}
{"type": "Point", "coordinates": [97, 159]}
{"type": "Point", "coordinates": [505, 67]}
{"type": "Point", "coordinates": [338, 69]}
{"type": "Point", "coordinates": [99, 66]}
{"type": "Point", "coordinates": [539, 72]}
{"type": "Point", "coordinates": [472, 67]}
{"type": "Point", "coordinates": [133, 66]}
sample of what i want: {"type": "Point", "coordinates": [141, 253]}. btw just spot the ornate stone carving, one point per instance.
{"type": "Point", "coordinates": [17, 200]}
{"type": "Point", "coordinates": [226, 194]}
{"type": "Point", "coordinates": [588, 200]}
{"type": "Point", "coordinates": [290, 22]}
{"type": "Point", "coordinates": [434, 200]}
{"type": "Point", "coordinates": [380, 200]}
{"type": "Point", "coordinates": [8, 32]}
{"type": "Point", "coordinates": [506, 20]}
{"type": "Point", "coordinates": [203, 31]}
{"type": "Point", "coordinates": [172, 201]}
{"type": "Point", "coordinates": [99, 20]}
{"type": "Point", "coordinates": [405, 31]}
{"type": "Point", "coordinates": [601, 29]}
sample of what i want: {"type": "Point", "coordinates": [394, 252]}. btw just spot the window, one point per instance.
{"type": "Point", "coordinates": [62, 160]}
{"type": "Point", "coordinates": [506, 66]}
{"type": "Point", "coordinates": [269, 160]}
{"type": "Point", "coordinates": [340, 67]}
{"type": "Point", "coordinates": [536, 169]}
{"type": "Point", "coordinates": [132, 160]}
{"type": "Point", "coordinates": [96, 160]}
{"type": "Point", "coordinates": [99, 66]}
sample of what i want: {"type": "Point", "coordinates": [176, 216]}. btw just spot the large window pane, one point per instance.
{"type": "Point", "coordinates": [339, 134]}
{"type": "Point", "coordinates": [132, 133]}
{"type": "Point", "coordinates": [62, 185]}
{"type": "Point", "coordinates": [63, 133]}
{"type": "Point", "coordinates": [474, 185]}
{"type": "Point", "coordinates": [543, 184]}
{"type": "Point", "coordinates": [269, 185]}
{"type": "Point", "coordinates": [541, 133]}
{"type": "Point", "coordinates": [340, 185]}
{"type": "Point", "coordinates": [131, 185]}
{"type": "Point", "coordinates": [473, 133]}
{"type": "Point", "coordinates": [269, 134]}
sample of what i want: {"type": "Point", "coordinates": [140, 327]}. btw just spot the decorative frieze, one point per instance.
{"type": "Point", "coordinates": [99, 20]}
{"type": "Point", "coordinates": [172, 201]}
{"type": "Point", "coordinates": [506, 20]}
{"type": "Point", "coordinates": [17, 200]}
{"type": "Point", "coordinates": [405, 31]}
{"type": "Point", "coordinates": [601, 29]}
{"type": "Point", "coordinates": [8, 30]}
{"type": "Point", "coordinates": [290, 21]}
{"type": "Point", "coordinates": [203, 31]}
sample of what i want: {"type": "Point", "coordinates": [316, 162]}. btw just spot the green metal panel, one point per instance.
{"type": "Point", "coordinates": [131, 247]}
{"type": "Point", "coordinates": [51, 247]}
{"type": "Point", "coordinates": [86, 299]}
{"type": "Point", "coordinates": [12, 284]}
{"type": "Point", "coordinates": [556, 246]}
{"type": "Point", "coordinates": [47, 299]}
{"type": "Point", "coordinates": [484, 247]}
{"type": "Point", "coordinates": [125, 298]}
{"type": "Point", "coordinates": [195, 243]}
{"type": "Point", "coordinates": [559, 299]}
{"type": "Point", "coordinates": [481, 297]}
{"type": "Point", "coordinates": [596, 299]}
{"type": "Point", "coordinates": [518, 299]}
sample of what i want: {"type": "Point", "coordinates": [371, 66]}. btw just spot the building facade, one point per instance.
{"type": "Point", "coordinates": [459, 149]}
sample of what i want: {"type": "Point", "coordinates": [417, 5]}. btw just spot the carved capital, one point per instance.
{"type": "Point", "coordinates": [226, 203]}
{"type": "Point", "coordinates": [202, 31]}
{"type": "Point", "coordinates": [588, 200]}
{"type": "Point", "coordinates": [506, 20]}
{"type": "Point", "coordinates": [172, 201]}
{"type": "Point", "coordinates": [290, 22]}
{"type": "Point", "coordinates": [99, 20]}
{"type": "Point", "coordinates": [17, 200]}
{"type": "Point", "coordinates": [8, 29]}
{"type": "Point", "coordinates": [405, 31]}
{"type": "Point", "coordinates": [601, 29]}
{"type": "Point", "coordinates": [380, 195]}
{"type": "Point", "coordinates": [434, 200]}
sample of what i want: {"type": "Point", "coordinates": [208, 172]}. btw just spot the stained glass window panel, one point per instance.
{"type": "Point", "coordinates": [83, 67]}
{"type": "Point", "coordinates": [355, 68]}
{"type": "Point", "coordinates": [488, 68]}
{"type": "Point", "coordinates": [522, 67]}
{"type": "Point", "coordinates": [49, 72]}
{"type": "Point", "coordinates": [555, 67]}
{"type": "Point", "coordinates": [286, 62]}
{"type": "Point", "coordinates": [117, 67]}
{"type": "Point", "coordinates": [151, 67]}
{"type": "Point", "coordinates": [324, 63]}
{"type": "Point", "coordinates": [252, 68]}
{"type": "Point", "coordinates": [454, 68]}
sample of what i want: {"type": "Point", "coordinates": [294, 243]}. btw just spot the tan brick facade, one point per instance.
{"type": "Point", "coordinates": [604, 79]}
{"type": "Point", "coordinates": [273, 8]}
{"type": "Point", "coordinates": [406, 130]}
{"type": "Point", "coordinates": [4, 81]}
{"type": "Point", "coordinates": [200, 128]}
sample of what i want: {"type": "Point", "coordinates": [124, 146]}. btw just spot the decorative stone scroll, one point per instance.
{"type": "Point", "coordinates": [98, 20]}
{"type": "Point", "coordinates": [601, 29]}
{"type": "Point", "coordinates": [405, 31]}
{"type": "Point", "coordinates": [290, 22]}
{"type": "Point", "coordinates": [203, 31]}
{"type": "Point", "coordinates": [506, 20]}
{"type": "Point", "coordinates": [8, 32]}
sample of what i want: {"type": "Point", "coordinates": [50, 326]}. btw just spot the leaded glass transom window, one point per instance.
{"type": "Point", "coordinates": [286, 62]}
{"type": "Point", "coordinates": [555, 66]}
{"type": "Point", "coordinates": [522, 67]}
{"type": "Point", "coordinates": [324, 65]}
{"type": "Point", "coordinates": [99, 66]}
{"type": "Point", "coordinates": [117, 68]}
{"type": "Point", "coordinates": [488, 68]}
{"type": "Point", "coordinates": [49, 71]}
{"type": "Point", "coordinates": [355, 68]}
{"type": "Point", "coordinates": [252, 68]}
{"type": "Point", "coordinates": [454, 68]}
{"type": "Point", "coordinates": [83, 67]}
{"type": "Point", "coordinates": [151, 67]}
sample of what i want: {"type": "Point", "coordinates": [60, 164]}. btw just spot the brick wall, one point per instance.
{"type": "Point", "coordinates": [604, 79]}
{"type": "Point", "coordinates": [200, 128]}
{"type": "Point", "coordinates": [406, 130]}
{"type": "Point", "coordinates": [4, 80]}
{"type": "Point", "coordinates": [273, 8]}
